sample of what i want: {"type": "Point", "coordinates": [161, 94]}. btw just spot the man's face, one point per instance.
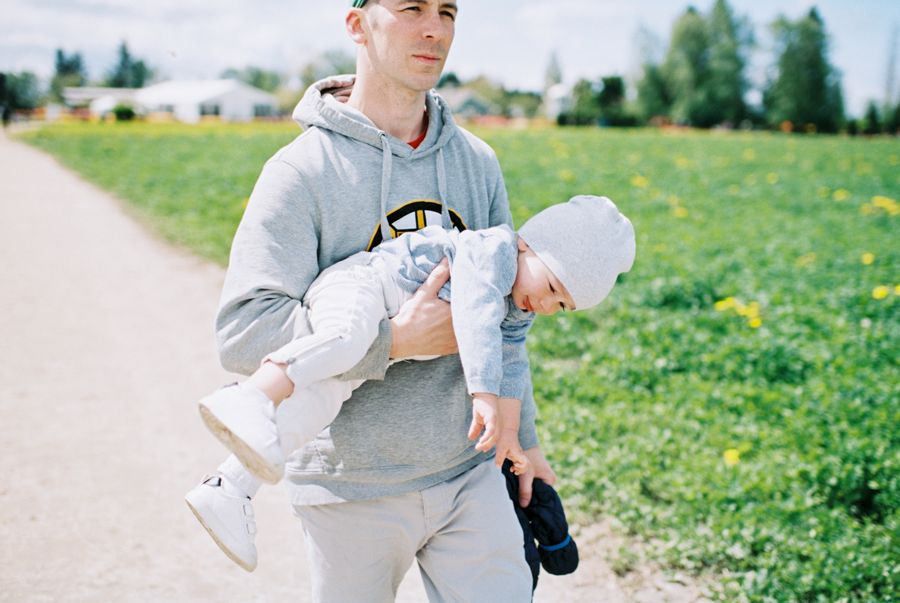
{"type": "Point", "coordinates": [410, 40]}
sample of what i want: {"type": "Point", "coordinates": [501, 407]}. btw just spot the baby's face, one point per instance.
{"type": "Point", "coordinates": [536, 288]}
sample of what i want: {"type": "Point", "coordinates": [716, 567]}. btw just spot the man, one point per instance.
{"type": "Point", "coordinates": [380, 155]}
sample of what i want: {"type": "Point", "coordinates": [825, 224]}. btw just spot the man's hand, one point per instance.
{"type": "Point", "coordinates": [539, 469]}
{"type": "Point", "coordinates": [423, 327]}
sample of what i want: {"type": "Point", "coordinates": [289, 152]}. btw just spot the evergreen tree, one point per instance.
{"type": "Point", "coordinates": [585, 105]}
{"type": "Point", "coordinates": [553, 75]}
{"type": "Point", "coordinates": [727, 84]}
{"type": "Point", "coordinates": [70, 72]}
{"type": "Point", "coordinates": [892, 120]}
{"type": "Point", "coordinates": [653, 96]}
{"type": "Point", "coordinates": [686, 68]}
{"type": "Point", "coordinates": [806, 89]}
{"type": "Point", "coordinates": [701, 82]}
{"type": "Point", "coordinates": [872, 121]}
{"type": "Point", "coordinates": [612, 103]}
{"type": "Point", "coordinates": [20, 91]}
{"type": "Point", "coordinates": [128, 73]}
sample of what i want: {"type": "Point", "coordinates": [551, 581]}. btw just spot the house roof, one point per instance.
{"type": "Point", "coordinates": [197, 92]}
{"type": "Point", "coordinates": [83, 95]}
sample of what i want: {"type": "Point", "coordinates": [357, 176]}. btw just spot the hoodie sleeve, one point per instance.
{"type": "Point", "coordinates": [273, 261]}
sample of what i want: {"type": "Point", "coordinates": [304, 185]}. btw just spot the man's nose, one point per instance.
{"type": "Point", "coordinates": [433, 27]}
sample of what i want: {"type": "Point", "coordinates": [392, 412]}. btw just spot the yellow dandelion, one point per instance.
{"type": "Point", "coordinates": [683, 163]}
{"type": "Point", "coordinates": [725, 304]}
{"type": "Point", "coordinates": [809, 258]}
{"type": "Point", "coordinates": [887, 204]}
{"type": "Point", "coordinates": [841, 194]}
{"type": "Point", "coordinates": [752, 310]}
{"type": "Point", "coordinates": [755, 323]}
{"type": "Point", "coordinates": [867, 258]}
{"type": "Point", "coordinates": [880, 292]}
{"type": "Point", "coordinates": [734, 189]}
{"type": "Point", "coordinates": [749, 154]}
{"type": "Point", "coordinates": [732, 457]}
{"type": "Point", "coordinates": [640, 182]}
{"type": "Point", "coordinates": [673, 200]}
{"type": "Point", "coordinates": [660, 248]}
{"type": "Point", "coordinates": [894, 160]}
{"type": "Point", "coordinates": [680, 212]}
{"type": "Point", "coordinates": [823, 191]}
{"type": "Point", "coordinates": [750, 180]}
{"type": "Point", "coordinates": [245, 202]}
{"type": "Point", "coordinates": [897, 290]}
{"type": "Point", "coordinates": [567, 175]}
{"type": "Point", "coordinates": [655, 192]}
{"type": "Point", "coordinates": [772, 178]}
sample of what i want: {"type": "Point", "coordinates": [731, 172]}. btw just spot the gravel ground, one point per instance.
{"type": "Point", "coordinates": [106, 344]}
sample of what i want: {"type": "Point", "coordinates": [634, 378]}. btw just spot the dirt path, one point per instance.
{"type": "Point", "coordinates": [105, 346]}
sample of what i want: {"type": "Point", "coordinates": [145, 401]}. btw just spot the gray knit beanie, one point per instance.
{"type": "Point", "coordinates": [586, 243]}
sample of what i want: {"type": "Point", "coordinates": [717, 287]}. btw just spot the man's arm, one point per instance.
{"type": "Point", "coordinates": [273, 261]}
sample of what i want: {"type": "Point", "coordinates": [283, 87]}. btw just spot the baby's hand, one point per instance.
{"type": "Point", "coordinates": [485, 415]}
{"type": "Point", "coordinates": [508, 448]}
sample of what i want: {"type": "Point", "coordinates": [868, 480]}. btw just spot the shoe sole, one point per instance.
{"type": "Point", "coordinates": [219, 543]}
{"type": "Point", "coordinates": [251, 459]}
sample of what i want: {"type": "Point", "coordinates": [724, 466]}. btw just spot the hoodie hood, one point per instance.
{"type": "Point", "coordinates": [324, 105]}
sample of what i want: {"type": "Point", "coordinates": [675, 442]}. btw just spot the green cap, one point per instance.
{"type": "Point", "coordinates": [358, 3]}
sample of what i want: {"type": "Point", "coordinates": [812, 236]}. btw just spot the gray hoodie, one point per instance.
{"type": "Point", "coordinates": [339, 188]}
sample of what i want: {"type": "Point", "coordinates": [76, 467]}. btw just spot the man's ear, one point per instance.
{"type": "Point", "coordinates": [356, 25]}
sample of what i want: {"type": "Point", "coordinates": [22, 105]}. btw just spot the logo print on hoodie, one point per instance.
{"type": "Point", "coordinates": [413, 216]}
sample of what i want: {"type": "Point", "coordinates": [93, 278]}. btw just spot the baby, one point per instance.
{"type": "Point", "coordinates": [566, 257]}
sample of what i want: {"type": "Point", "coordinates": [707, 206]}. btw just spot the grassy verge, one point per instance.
{"type": "Point", "coordinates": [736, 400]}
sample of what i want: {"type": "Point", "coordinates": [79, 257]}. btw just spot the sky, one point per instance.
{"type": "Point", "coordinates": [509, 41]}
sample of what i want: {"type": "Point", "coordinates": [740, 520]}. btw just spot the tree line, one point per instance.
{"type": "Point", "coordinates": [702, 81]}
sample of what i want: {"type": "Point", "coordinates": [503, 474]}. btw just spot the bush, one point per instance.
{"type": "Point", "coordinates": [123, 112]}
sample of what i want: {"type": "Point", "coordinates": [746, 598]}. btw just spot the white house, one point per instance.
{"type": "Point", "coordinates": [188, 100]}
{"type": "Point", "coordinates": [557, 99]}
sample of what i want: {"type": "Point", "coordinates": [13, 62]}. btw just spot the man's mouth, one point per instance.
{"type": "Point", "coordinates": [527, 304]}
{"type": "Point", "coordinates": [428, 58]}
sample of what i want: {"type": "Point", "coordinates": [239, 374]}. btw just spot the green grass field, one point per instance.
{"type": "Point", "coordinates": [736, 401]}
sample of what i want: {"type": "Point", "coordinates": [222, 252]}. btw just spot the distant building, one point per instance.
{"type": "Point", "coordinates": [184, 100]}
{"type": "Point", "coordinates": [467, 104]}
{"type": "Point", "coordinates": [188, 101]}
{"type": "Point", "coordinates": [557, 99]}
{"type": "Point", "coordinates": [85, 95]}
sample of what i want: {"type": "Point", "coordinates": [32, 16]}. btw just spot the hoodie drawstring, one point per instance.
{"type": "Point", "coordinates": [446, 222]}
{"type": "Point", "coordinates": [386, 234]}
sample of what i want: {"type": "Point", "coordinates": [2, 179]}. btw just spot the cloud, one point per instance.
{"type": "Point", "coordinates": [550, 22]}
